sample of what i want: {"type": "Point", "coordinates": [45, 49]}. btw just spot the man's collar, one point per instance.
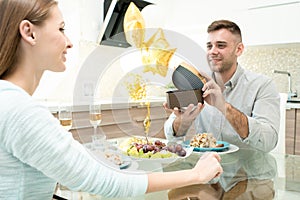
{"type": "Point", "coordinates": [234, 79]}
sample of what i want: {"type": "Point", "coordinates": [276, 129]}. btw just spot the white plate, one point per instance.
{"type": "Point", "coordinates": [189, 151]}
{"type": "Point", "coordinates": [232, 148]}
{"type": "Point", "coordinates": [217, 149]}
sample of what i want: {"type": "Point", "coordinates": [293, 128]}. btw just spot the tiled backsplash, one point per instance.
{"type": "Point", "coordinates": [266, 58]}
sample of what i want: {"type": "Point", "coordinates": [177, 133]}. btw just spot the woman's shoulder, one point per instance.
{"type": "Point", "coordinates": [14, 99]}
{"type": "Point", "coordinates": [12, 95]}
{"type": "Point", "coordinates": [8, 89]}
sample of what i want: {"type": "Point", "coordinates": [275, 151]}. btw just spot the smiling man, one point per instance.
{"type": "Point", "coordinates": [241, 107]}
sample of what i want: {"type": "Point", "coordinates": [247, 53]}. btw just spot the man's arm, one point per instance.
{"type": "Point", "coordinates": [182, 120]}
{"type": "Point", "coordinates": [237, 119]}
{"type": "Point", "coordinates": [261, 125]}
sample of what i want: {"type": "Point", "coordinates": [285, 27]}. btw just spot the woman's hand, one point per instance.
{"type": "Point", "coordinates": [208, 167]}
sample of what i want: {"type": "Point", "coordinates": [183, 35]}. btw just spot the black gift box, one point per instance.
{"type": "Point", "coordinates": [182, 98]}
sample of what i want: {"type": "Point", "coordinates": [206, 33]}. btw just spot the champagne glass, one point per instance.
{"type": "Point", "coordinates": [65, 117]}
{"type": "Point", "coordinates": [95, 115]}
{"type": "Point", "coordinates": [98, 140]}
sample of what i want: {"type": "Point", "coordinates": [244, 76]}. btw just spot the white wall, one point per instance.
{"type": "Point", "coordinates": [262, 22]}
{"type": "Point", "coordinates": [83, 20]}
{"type": "Point", "coordinates": [271, 25]}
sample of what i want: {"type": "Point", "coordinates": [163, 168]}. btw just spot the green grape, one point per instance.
{"type": "Point", "coordinates": [157, 155]}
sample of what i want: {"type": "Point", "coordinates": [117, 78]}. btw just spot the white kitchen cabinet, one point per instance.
{"type": "Point", "coordinates": [271, 25]}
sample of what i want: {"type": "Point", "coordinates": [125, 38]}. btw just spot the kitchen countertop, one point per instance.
{"type": "Point", "coordinates": [53, 105]}
{"type": "Point", "coordinates": [105, 104]}
{"type": "Point", "coordinates": [292, 105]}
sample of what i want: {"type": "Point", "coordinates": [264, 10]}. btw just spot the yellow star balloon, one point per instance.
{"type": "Point", "coordinates": [156, 52]}
{"type": "Point", "coordinates": [134, 26]}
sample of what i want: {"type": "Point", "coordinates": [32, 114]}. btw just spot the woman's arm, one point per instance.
{"type": "Point", "coordinates": [207, 168]}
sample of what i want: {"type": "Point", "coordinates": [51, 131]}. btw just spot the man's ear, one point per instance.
{"type": "Point", "coordinates": [239, 49]}
{"type": "Point", "coordinates": [27, 32]}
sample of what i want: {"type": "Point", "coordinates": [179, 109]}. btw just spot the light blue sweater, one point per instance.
{"type": "Point", "coordinates": [36, 152]}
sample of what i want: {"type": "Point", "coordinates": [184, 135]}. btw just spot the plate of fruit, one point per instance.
{"type": "Point", "coordinates": [154, 150]}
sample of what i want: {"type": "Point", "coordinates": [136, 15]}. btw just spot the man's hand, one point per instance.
{"type": "Point", "coordinates": [213, 95]}
{"type": "Point", "coordinates": [184, 118]}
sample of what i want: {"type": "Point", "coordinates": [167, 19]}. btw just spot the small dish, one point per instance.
{"type": "Point", "coordinates": [126, 163]}
{"type": "Point", "coordinates": [111, 158]}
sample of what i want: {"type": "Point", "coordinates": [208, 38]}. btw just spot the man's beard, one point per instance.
{"type": "Point", "coordinates": [220, 68]}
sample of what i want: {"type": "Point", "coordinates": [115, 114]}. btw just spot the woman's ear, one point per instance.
{"type": "Point", "coordinates": [27, 33]}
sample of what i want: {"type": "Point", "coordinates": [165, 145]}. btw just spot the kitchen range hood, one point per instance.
{"type": "Point", "coordinates": [112, 32]}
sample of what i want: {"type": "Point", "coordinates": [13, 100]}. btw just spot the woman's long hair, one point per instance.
{"type": "Point", "coordinates": [12, 12]}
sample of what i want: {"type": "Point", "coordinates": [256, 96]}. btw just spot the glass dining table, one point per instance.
{"type": "Point", "coordinates": [248, 174]}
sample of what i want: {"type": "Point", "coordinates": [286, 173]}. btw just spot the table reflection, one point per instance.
{"type": "Point", "coordinates": [248, 174]}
